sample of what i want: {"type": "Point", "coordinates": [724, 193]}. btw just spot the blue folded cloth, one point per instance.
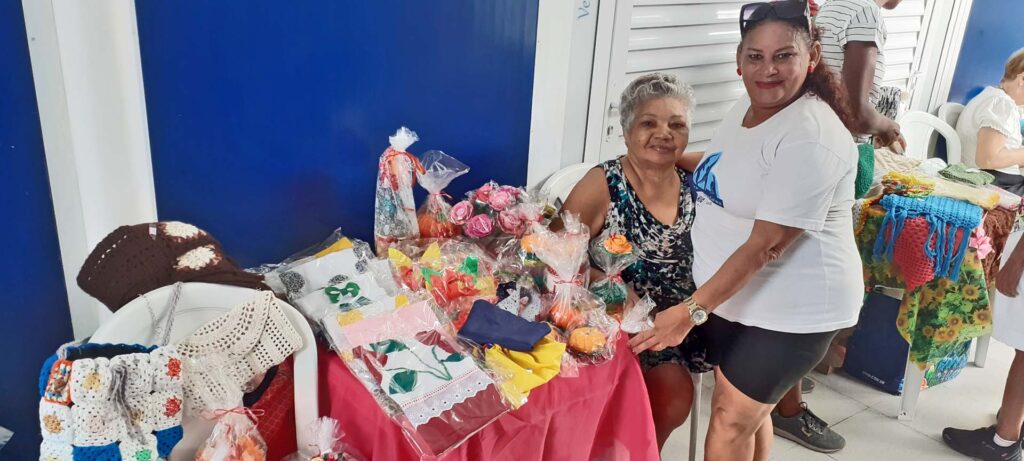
{"type": "Point", "coordinates": [490, 324]}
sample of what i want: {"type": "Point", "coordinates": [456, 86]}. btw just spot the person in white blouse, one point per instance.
{"type": "Point", "coordinates": [990, 128]}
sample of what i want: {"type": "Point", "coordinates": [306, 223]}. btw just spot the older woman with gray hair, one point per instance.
{"type": "Point", "coordinates": [643, 196]}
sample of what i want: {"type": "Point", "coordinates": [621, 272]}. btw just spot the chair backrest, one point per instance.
{"type": "Point", "coordinates": [557, 188]}
{"type": "Point", "coordinates": [918, 127]}
{"type": "Point", "coordinates": [950, 113]}
{"type": "Point", "coordinates": [198, 304]}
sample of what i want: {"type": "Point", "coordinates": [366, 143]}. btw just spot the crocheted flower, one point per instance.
{"type": "Point", "coordinates": [172, 407]}
{"type": "Point", "coordinates": [461, 213]}
{"type": "Point", "coordinates": [144, 455]}
{"type": "Point", "coordinates": [500, 200]}
{"type": "Point", "coordinates": [483, 193]}
{"type": "Point", "coordinates": [180, 230]}
{"type": "Point", "coordinates": [53, 424]}
{"type": "Point", "coordinates": [511, 222]}
{"type": "Point", "coordinates": [479, 226]}
{"type": "Point", "coordinates": [92, 381]}
{"type": "Point", "coordinates": [174, 368]}
{"type": "Point", "coordinates": [618, 244]}
{"type": "Point", "coordinates": [198, 258]}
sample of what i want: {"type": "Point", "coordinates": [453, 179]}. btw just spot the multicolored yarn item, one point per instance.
{"type": "Point", "coordinates": [909, 185]}
{"type": "Point", "coordinates": [950, 223]}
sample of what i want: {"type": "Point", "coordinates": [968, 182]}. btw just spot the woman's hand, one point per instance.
{"type": "Point", "coordinates": [670, 328]}
{"type": "Point", "coordinates": [1008, 278]}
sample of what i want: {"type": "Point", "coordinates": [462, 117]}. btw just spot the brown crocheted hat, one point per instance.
{"type": "Point", "coordinates": [137, 259]}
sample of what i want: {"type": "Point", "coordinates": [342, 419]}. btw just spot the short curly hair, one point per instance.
{"type": "Point", "coordinates": [653, 86]}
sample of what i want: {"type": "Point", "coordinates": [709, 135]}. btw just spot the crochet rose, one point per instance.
{"type": "Point", "coordinates": [461, 213]}
{"type": "Point", "coordinates": [511, 190]}
{"type": "Point", "coordinates": [617, 244]}
{"type": "Point", "coordinates": [500, 200]}
{"type": "Point", "coordinates": [511, 222]}
{"type": "Point", "coordinates": [479, 226]}
{"type": "Point", "coordinates": [483, 193]}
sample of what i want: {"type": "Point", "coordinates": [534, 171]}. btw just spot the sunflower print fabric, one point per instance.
{"type": "Point", "coordinates": [940, 316]}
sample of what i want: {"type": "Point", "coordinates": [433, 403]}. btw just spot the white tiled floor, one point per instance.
{"type": "Point", "coordinates": [866, 416]}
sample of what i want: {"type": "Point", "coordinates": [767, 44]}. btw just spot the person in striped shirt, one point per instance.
{"type": "Point", "coordinates": [853, 38]}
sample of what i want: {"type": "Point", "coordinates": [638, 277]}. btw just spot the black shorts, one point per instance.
{"type": "Point", "coordinates": [763, 364]}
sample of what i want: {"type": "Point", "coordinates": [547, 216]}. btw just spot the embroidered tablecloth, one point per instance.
{"type": "Point", "coordinates": [938, 317]}
{"type": "Point", "coordinates": [602, 414]}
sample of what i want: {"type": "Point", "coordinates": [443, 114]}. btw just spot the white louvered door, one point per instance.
{"type": "Point", "coordinates": [696, 40]}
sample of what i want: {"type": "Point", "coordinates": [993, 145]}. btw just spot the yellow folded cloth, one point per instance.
{"type": "Point", "coordinates": [521, 372]}
{"type": "Point", "coordinates": [984, 198]}
{"type": "Point", "coordinates": [342, 244]}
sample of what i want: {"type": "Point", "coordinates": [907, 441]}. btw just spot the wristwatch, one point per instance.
{"type": "Point", "coordinates": [698, 314]}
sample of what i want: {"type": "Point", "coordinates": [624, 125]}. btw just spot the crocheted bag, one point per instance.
{"type": "Point", "coordinates": [964, 174]}
{"type": "Point", "coordinates": [865, 169]}
{"type": "Point", "coordinates": [137, 259]}
{"type": "Point", "coordinates": [110, 401]}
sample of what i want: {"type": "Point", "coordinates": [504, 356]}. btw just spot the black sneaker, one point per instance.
{"type": "Point", "coordinates": [806, 385]}
{"type": "Point", "coordinates": [808, 430]}
{"type": "Point", "coordinates": [979, 444]}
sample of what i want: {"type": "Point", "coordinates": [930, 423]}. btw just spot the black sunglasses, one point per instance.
{"type": "Point", "coordinates": [794, 11]}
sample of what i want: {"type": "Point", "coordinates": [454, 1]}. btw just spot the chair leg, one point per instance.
{"type": "Point", "coordinates": [981, 351]}
{"type": "Point", "coordinates": [698, 389]}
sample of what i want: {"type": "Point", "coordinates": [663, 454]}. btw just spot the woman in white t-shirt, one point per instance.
{"type": "Point", "coordinates": [776, 265]}
{"type": "Point", "coordinates": [989, 128]}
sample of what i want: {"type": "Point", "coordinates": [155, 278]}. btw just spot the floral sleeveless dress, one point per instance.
{"type": "Point", "coordinates": [665, 268]}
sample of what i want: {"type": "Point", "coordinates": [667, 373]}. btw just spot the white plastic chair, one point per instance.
{"type": "Point", "coordinates": [918, 129]}
{"type": "Point", "coordinates": [558, 186]}
{"type": "Point", "coordinates": [198, 304]}
{"type": "Point", "coordinates": [950, 113]}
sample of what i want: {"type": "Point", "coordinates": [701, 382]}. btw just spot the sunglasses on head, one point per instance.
{"type": "Point", "coordinates": [795, 11]}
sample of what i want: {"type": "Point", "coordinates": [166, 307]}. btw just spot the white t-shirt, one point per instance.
{"type": "Point", "coordinates": [845, 21]}
{"type": "Point", "coordinates": [796, 169]}
{"type": "Point", "coordinates": [994, 109]}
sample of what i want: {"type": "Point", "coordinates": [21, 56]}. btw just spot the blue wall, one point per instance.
{"type": "Point", "coordinates": [35, 305]}
{"type": "Point", "coordinates": [993, 34]}
{"type": "Point", "coordinates": [267, 121]}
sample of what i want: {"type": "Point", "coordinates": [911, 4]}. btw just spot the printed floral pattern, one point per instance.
{"type": "Point", "coordinates": [940, 316]}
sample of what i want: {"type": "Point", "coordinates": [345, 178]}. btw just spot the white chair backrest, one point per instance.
{"type": "Point", "coordinates": [560, 184]}
{"type": "Point", "coordinates": [918, 129]}
{"type": "Point", "coordinates": [950, 113]}
{"type": "Point", "coordinates": [138, 321]}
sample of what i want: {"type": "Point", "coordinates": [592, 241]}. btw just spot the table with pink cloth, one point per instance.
{"type": "Point", "coordinates": [604, 414]}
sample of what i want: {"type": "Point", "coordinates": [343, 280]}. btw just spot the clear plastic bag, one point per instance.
{"type": "Point", "coordinates": [234, 438]}
{"type": "Point", "coordinates": [328, 443]}
{"type": "Point", "coordinates": [612, 253]}
{"type": "Point", "coordinates": [334, 243]}
{"type": "Point", "coordinates": [565, 253]}
{"type": "Point", "coordinates": [394, 213]}
{"type": "Point", "coordinates": [638, 317]}
{"type": "Point", "coordinates": [439, 171]}
{"type": "Point", "coordinates": [424, 379]}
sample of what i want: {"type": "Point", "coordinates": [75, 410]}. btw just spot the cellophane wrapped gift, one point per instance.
{"type": "Point", "coordinates": [589, 330]}
{"type": "Point", "coordinates": [234, 438]}
{"type": "Point", "coordinates": [328, 443]}
{"type": "Point", "coordinates": [637, 318]}
{"type": "Point", "coordinates": [439, 169]}
{"type": "Point", "coordinates": [394, 213]}
{"type": "Point", "coordinates": [494, 214]}
{"type": "Point", "coordinates": [423, 378]}
{"type": "Point", "coordinates": [612, 253]}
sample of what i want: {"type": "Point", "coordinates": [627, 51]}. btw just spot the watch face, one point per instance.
{"type": "Point", "coordinates": [699, 316]}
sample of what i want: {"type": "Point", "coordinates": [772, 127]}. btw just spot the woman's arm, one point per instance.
{"type": "Point", "coordinates": [589, 200]}
{"type": "Point", "coordinates": [1008, 277]}
{"type": "Point", "coordinates": [859, 61]}
{"type": "Point", "coordinates": [992, 151]}
{"type": "Point", "coordinates": [766, 243]}
{"type": "Point", "coordinates": [689, 160]}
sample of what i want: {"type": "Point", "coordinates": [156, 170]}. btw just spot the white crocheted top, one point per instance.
{"type": "Point", "coordinates": [225, 354]}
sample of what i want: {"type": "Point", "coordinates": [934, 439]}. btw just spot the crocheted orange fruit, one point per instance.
{"type": "Point", "coordinates": [565, 316]}
{"type": "Point", "coordinates": [586, 340]}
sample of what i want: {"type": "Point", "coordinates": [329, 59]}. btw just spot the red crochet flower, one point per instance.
{"type": "Point", "coordinates": [174, 368]}
{"type": "Point", "coordinates": [172, 407]}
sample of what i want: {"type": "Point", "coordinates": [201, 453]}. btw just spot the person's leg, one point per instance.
{"type": "Point", "coordinates": [1002, 441]}
{"type": "Point", "coordinates": [789, 406]}
{"type": "Point", "coordinates": [734, 420]}
{"type": "Point", "coordinates": [764, 438]}
{"type": "Point", "coordinates": [1011, 414]}
{"type": "Point", "coordinates": [671, 392]}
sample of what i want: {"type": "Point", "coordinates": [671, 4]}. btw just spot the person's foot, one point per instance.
{"type": "Point", "coordinates": [806, 385]}
{"type": "Point", "coordinates": [1021, 426]}
{"type": "Point", "coordinates": [979, 444]}
{"type": "Point", "coordinates": [808, 430]}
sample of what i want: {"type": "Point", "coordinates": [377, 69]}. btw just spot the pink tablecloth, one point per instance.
{"type": "Point", "coordinates": [603, 414]}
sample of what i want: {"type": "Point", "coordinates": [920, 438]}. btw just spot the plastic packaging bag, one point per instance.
{"type": "Point", "coordinates": [394, 213]}
{"type": "Point", "coordinates": [638, 317]}
{"type": "Point", "coordinates": [565, 254]}
{"type": "Point", "coordinates": [433, 217]}
{"type": "Point", "coordinates": [423, 377]}
{"type": "Point", "coordinates": [234, 438]}
{"type": "Point", "coordinates": [612, 253]}
{"type": "Point", "coordinates": [334, 243]}
{"type": "Point", "coordinates": [328, 444]}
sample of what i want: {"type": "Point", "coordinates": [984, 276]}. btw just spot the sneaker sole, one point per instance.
{"type": "Point", "coordinates": [803, 443]}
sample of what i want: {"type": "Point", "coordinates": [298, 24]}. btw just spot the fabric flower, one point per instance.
{"type": "Point", "coordinates": [479, 226]}
{"type": "Point", "coordinates": [461, 213]}
{"type": "Point", "coordinates": [511, 223]}
{"type": "Point", "coordinates": [618, 244]}
{"type": "Point", "coordinates": [500, 200]}
{"type": "Point", "coordinates": [197, 258]}
{"type": "Point", "coordinates": [483, 193]}
{"type": "Point", "coordinates": [515, 192]}
{"type": "Point", "coordinates": [180, 230]}
{"type": "Point", "coordinates": [981, 242]}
